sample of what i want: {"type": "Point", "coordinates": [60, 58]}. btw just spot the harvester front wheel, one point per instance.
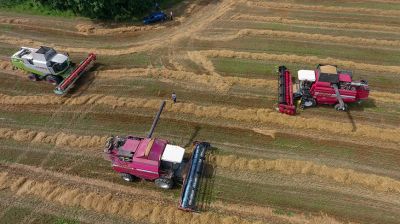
{"type": "Point", "coordinates": [127, 177]}
{"type": "Point", "coordinates": [164, 183]}
{"type": "Point", "coordinates": [338, 108]}
{"type": "Point", "coordinates": [53, 79]}
{"type": "Point", "coordinates": [310, 103]}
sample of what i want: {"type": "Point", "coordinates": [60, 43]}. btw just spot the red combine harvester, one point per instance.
{"type": "Point", "coordinates": [325, 85]}
{"type": "Point", "coordinates": [156, 160]}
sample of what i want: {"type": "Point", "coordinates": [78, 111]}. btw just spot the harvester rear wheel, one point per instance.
{"type": "Point", "coordinates": [127, 177]}
{"type": "Point", "coordinates": [33, 77]}
{"type": "Point", "coordinates": [53, 79]}
{"type": "Point", "coordinates": [164, 183]}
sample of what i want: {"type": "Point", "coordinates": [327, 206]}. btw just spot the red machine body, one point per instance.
{"type": "Point", "coordinates": [350, 92]}
{"type": "Point", "coordinates": [324, 85]}
{"type": "Point", "coordinates": [140, 157]}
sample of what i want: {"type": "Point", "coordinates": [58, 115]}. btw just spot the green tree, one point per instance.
{"type": "Point", "coordinates": [101, 9]}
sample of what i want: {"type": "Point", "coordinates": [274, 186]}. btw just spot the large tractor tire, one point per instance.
{"type": "Point", "coordinates": [33, 77]}
{"type": "Point", "coordinates": [164, 183]}
{"type": "Point", "coordinates": [54, 79]}
{"type": "Point", "coordinates": [337, 107]}
{"type": "Point", "coordinates": [310, 103]}
{"type": "Point", "coordinates": [128, 177]}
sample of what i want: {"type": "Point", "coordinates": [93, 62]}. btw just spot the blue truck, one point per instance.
{"type": "Point", "coordinates": [155, 17]}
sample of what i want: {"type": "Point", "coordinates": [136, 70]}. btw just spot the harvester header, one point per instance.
{"type": "Point", "coordinates": [192, 180]}
{"type": "Point", "coordinates": [285, 91]}
{"type": "Point", "coordinates": [69, 81]}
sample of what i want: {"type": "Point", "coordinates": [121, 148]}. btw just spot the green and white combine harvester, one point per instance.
{"type": "Point", "coordinates": [46, 64]}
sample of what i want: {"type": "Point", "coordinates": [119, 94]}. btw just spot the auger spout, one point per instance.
{"type": "Point", "coordinates": [153, 126]}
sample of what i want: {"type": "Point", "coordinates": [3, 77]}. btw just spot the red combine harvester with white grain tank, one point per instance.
{"type": "Point", "coordinates": [324, 85]}
{"type": "Point", "coordinates": [156, 160]}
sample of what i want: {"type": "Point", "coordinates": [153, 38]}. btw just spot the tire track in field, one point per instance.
{"type": "Point", "coordinates": [58, 138]}
{"type": "Point", "coordinates": [284, 166]}
{"type": "Point", "coordinates": [256, 115]}
{"type": "Point", "coordinates": [203, 62]}
{"type": "Point", "coordinates": [291, 58]}
{"type": "Point", "coordinates": [201, 59]}
{"type": "Point", "coordinates": [91, 29]}
{"type": "Point", "coordinates": [80, 29]}
{"type": "Point", "coordinates": [365, 42]}
{"type": "Point", "coordinates": [26, 23]}
{"type": "Point", "coordinates": [322, 8]}
{"type": "Point", "coordinates": [192, 25]}
{"type": "Point", "coordinates": [259, 211]}
{"type": "Point", "coordinates": [152, 212]}
{"type": "Point", "coordinates": [100, 51]}
{"type": "Point", "coordinates": [292, 167]}
{"type": "Point", "coordinates": [281, 20]}
{"type": "Point", "coordinates": [221, 83]}
{"type": "Point", "coordinates": [266, 211]}
{"type": "Point", "coordinates": [140, 192]}
{"type": "Point", "coordinates": [383, 1]}
{"type": "Point", "coordinates": [385, 97]}
{"type": "Point", "coordinates": [5, 65]}
{"type": "Point", "coordinates": [9, 20]}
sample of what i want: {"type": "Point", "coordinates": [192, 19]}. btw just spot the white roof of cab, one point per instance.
{"type": "Point", "coordinates": [308, 75]}
{"type": "Point", "coordinates": [59, 58]}
{"type": "Point", "coordinates": [173, 153]}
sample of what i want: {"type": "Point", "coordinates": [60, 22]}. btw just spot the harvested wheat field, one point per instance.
{"type": "Point", "coordinates": [220, 58]}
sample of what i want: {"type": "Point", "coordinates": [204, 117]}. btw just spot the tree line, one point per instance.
{"type": "Point", "coordinates": [118, 10]}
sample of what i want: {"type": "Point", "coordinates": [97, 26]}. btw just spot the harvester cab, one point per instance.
{"type": "Point", "coordinates": [324, 85]}
{"type": "Point", "coordinates": [156, 160]}
{"type": "Point", "coordinates": [46, 64]}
